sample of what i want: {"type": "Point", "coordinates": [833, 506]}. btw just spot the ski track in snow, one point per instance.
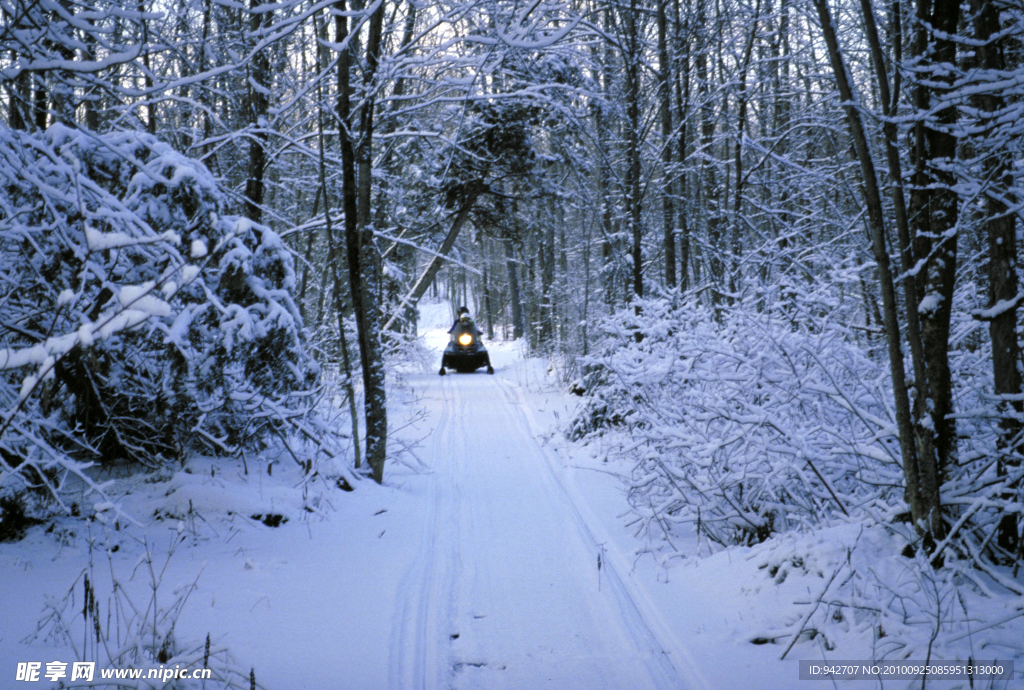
{"type": "Point", "coordinates": [505, 590]}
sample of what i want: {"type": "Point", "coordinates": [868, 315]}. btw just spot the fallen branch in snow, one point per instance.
{"type": "Point", "coordinates": [806, 618]}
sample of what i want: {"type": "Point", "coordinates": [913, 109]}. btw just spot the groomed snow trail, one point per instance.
{"type": "Point", "coordinates": [505, 590]}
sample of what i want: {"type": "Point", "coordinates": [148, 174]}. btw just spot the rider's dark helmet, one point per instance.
{"type": "Point", "coordinates": [463, 310]}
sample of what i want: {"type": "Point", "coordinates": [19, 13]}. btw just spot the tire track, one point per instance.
{"type": "Point", "coordinates": [417, 645]}
{"type": "Point", "coordinates": [503, 592]}
{"type": "Point", "coordinates": [671, 664]}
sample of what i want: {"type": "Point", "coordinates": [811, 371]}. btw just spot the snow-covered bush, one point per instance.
{"type": "Point", "coordinates": [745, 427]}
{"type": "Point", "coordinates": [759, 423]}
{"type": "Point", "coordinates": [138, 321]}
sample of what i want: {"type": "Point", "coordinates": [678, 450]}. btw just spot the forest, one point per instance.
{"type": "Point", "coordinates": [772, 245]}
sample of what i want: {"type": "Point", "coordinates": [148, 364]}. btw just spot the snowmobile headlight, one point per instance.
{"type": "Point", "coordinates": [465, 339]}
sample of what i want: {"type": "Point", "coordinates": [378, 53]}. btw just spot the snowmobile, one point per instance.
{"type": "Point", "coordinates": [465, 352]}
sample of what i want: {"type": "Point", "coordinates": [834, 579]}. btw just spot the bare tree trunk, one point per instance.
{"type": "Point", "coordinates": [1000, 223]}
{"type": "Point", "coordinates": [926, 431]}
{"type": "Point", "coordinates": [360, 235]}
{"type": "Point", "coordinates": [91, 94]}
{"type": "Point", "coordinates": [633, 206]}
{"type": "Point", "coordinates": [150, 106]}
{"type": "Point", "coordinates": [738, 151]}
{"type": "Point", "coordinates": [933, 217]}
{"type": "Point", "coordinates": [259, 105]}
{"type": "Point", "coordinates": [925, 507]}
{"type": "Point", "coordinates": [604, 196]}
{"type": "Point", "coordinates": [487, 304]}
{"type": "Point", "coordinates": [333, 259]}
{"type": "Point", "coordinates": [682, 100]}
{"type": "Point", "coordinates": [426, 278]}
{"type": "Point", "coordinates": [19, 90]}
{"type": "Point", "coordinates": [513, 285]}
{"type": "Point", "coordinates": [62, 95]}
{"type": "Point", "coordinates": [907, 258]}
{"type": "Point", "coordinates": [708, 178]}
{"type": "Point", "coordinates": [310, 237]}
{"type": "Point", "coordinates": [546, 261]}
{"type": "Point", "coordinates": [204, 93]}
{"type": "Point", "coordinates": [602, 124]}
{"type": "Point", "coordinates": [42, 100]}
{"type": "Point", "coordinates": [665, 81]}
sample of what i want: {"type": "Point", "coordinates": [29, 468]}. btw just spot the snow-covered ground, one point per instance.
{"type": "Point", "coordinates": [495, 556]}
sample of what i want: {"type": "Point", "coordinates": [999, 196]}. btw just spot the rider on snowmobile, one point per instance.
{"type": "Point", "coordinates": [464, 316]}
{"type": "Point", "coordinates": [466, 351]}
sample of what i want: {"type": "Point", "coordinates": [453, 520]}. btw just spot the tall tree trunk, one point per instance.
{"type": "Point", "coordinates": [546, 261]}
{"type": "Point", "coordinates": [209, 155]}
{"type": "Point", "coordinates": [741, 126]}
{"type": "Point", "coordinates": [926, 446]}
{"type": "Point", "coordinates": [665, 81]}
{"type": "Point", "coordinates": [708, 178]}
{"type": "Point", "coordinates": [259, 105]}
{"type": "Point", "coordinates": [364, 272]}
{"type": "Point", "coordinates": [90, 94]}
{"type": "Point", "coordinates": [925, 508]}
{"type": "Point", "coordinates": [404, 256]}
{"type": "Point", "coordinates": [150, 103]}
{"type": "Point", "coordinates": [487, 303]}
{"type": "Point", "coordinates": [681, 106]}
{"type": "Point", "coordinates": [604, 197]}
{"type": "Point", "coordinates": [889, 129]}
{"type": "Point", "coordinates": [933, 218]}
{"type": "Point", "coordinates": [602, 123]}
{"type": "Point", "coordinates": [19, 90]}
{"type": "Point", "coordinates": [62, 89]}
{"type": "Point", "coordinates": [633, 206]}
{"type": "Point", "coordinates": [310, 238]}
{"type": "Point", "coordinates": [1001, 228]}
{"type": "Point", "coordinates": [515, 296]}
{"type": "Point", "coordinates": [42, 99]}
{"type": "Point", "coordinates": [333, 259]}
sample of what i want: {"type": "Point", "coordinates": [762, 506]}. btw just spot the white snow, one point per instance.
{"type": "Point", "coordinates": [496, 555]}
{"type": "Point", "coordinates": [930, 302]}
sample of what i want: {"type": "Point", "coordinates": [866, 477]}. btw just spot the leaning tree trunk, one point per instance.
{"type": "Point", "coordinates": [426, 279]}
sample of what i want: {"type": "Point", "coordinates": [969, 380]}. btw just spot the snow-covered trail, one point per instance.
{"type": "Point", "coordinates": [505, 591]}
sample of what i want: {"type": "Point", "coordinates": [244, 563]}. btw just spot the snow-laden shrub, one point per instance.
{"type": "Point", "coordinates": [138, 320]}
{"type": "Point", "coordinates": [745, 427]}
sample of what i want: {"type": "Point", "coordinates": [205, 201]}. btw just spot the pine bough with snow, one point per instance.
{"type": "Point", "coordinates": [139, 323]}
